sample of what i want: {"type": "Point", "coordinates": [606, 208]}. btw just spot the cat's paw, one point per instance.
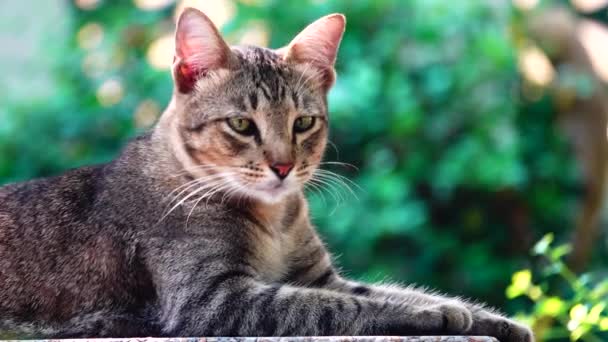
{"type": "Point", "coordinates": [454, 317]}
{"type": "Point", "coordinates": [504, 329]}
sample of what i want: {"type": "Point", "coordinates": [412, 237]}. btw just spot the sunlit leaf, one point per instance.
{"type": "Point", "coordinates": [543, 245]}
{"type": "Point", "coordinates": [552, 306]}
{"type": "Point", "coordinates": [578, 313]}
{"type": "Point", "coordinates": [604, 324]}
{"type": "Point", "coordinates": [579, 332]}
{"type": "Point", "coordinates": [594, 313]}
{"type": "Point", "coordinates": [513, 292]}
{"type": "Point", "coordinates": [522, 279]}
{"type": "Point", "coordinates": [560, 251]}
{"type": "Point", "coordinates": [535, 292]}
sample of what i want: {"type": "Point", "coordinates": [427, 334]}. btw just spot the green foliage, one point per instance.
{"type": "Point", "coordinates": [564, 306]}
{"type": "Point", "coordinates": [457, 175]}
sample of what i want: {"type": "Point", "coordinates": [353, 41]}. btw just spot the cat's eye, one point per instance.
{"type": "Point", "coordinates": [242, 125]}
{"type": "Point", "coordinates": [303, 124]}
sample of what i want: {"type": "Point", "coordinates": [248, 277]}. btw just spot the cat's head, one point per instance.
{"type": "Point", "coordinates": [249, 121]}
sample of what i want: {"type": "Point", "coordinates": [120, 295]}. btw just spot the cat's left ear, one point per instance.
{"type": "Point", "coordinates": [318, 45]}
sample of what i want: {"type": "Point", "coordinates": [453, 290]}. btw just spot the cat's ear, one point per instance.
{"type": "Point", "coordinates": [199, 48]}
{"type": "Point", "coordinates": [318, 45]}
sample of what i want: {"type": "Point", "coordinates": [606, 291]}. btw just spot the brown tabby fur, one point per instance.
{"type": "Point", "coordinates": [189, 233]}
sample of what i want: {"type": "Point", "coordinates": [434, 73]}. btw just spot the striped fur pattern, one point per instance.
{"type": "Point", "coordinates": [189, 233]}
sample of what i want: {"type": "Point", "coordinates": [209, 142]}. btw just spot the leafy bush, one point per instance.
{"type": "Point", "coordinates": [564, 305]}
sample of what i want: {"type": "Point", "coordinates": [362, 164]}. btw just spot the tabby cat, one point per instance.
{"type": "Point", "coordinates": [200, 227]}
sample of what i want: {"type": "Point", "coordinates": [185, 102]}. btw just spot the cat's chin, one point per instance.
{"type": "Point", "coordinates": [270, 195]}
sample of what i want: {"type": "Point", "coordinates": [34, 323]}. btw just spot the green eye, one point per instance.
{"type": "Point", "coordinates": [242, 125]}
{"type": "Point", "coordinates": [303, 123]}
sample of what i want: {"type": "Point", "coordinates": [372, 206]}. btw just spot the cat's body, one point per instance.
{"type": "Point", "coordinates": [200, 228]}
{"type": "Point", "coordinates": [89, 245]}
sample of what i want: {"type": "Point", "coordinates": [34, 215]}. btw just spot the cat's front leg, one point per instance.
{"type": "Point", "coordinates": [313, 268]}
{"type": "Point", "coordinates": [484, 320]}
{"type": "Point", "coordinates": [238, 305]}
{"type": "Point", "coordinates": [457, 317]}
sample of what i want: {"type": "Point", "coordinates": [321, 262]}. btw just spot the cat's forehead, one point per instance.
{"type": "Point", "coordinates": [255, 55]}
{"type": "Point", "coordinates": [259, 80]}
{"type": "Point", "coordinates": [263, 68]}
{"type": "Point", "coordinates": [261, 76]}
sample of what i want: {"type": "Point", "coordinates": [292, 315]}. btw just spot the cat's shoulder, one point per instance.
{"type": "Point", "coordinates": [79, 182]}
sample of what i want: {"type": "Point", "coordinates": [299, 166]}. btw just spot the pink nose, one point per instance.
{"type": "Point", "coordinates": [281, 169]}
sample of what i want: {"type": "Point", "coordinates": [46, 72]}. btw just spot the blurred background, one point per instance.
{"type": "Point", "coordinates": [476, 130]}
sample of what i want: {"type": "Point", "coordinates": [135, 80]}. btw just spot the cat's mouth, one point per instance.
{"type": "Point", "coordinates": [272, 190]}
{"type": "Point", "coordinates": [273, 186]}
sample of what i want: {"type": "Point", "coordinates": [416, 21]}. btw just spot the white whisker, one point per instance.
{"type": "Point", "coordinates": [339, 164]}
{"type": "Point", "coordinates": [297, 87]}
{"type": "Point", "coordinates": [207, 194]}
{"type": "Point", "coordinates": [341, 179]}
{"type": "Point", "coordinates": [218, 179]}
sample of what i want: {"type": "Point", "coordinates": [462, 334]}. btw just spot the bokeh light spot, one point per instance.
{"type": "Point", "coordinates": [255, 33]}
{"type": "Point", "coordinates": [146, 113]}
{"type": "Point", "coordinates": [535, 66]}
{"type": "Point", "coordinates": [219, 11]}
{"type": "Point", "coordinates": [525, 5]}
{"type": "Point", "coordinates": [90, 36]}
{"type": "Point", "coordinates": [110, 93]}
{"type": "Point", "coordinates": [594, 38]}
{"type": "Point", "coordinates": [160, 52]}
{"type": "Point", "coordinates": [94, 64]}
{"type": "Point", "coordinates": [86, 4]}
{"type": "Point", "coordinates": [152, 5]}
{"type": "Point", "coordinates": [589, 5]}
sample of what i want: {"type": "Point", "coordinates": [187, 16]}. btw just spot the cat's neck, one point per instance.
{"type": "Point", "coordinates": [161, 161]}
{"type": "Point", "coordinates": [273, 215]}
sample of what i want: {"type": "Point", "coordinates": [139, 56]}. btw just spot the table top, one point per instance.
{"type": "Point", "coordinates": [287, 339]}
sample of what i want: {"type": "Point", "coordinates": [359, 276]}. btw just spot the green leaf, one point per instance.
{"type": "Point", "coordinates": [579, 313]}
{"type": "Point", "coordinates": [552, 306]}
{"type": "Point", "coordinates": [543, 245]}
{"type": "Point", "coordinates": [560, 251]}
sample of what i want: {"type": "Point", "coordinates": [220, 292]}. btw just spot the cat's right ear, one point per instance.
{"type": "Point", "coordinates": [199, 48]}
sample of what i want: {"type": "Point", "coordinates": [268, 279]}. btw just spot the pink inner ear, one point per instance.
{"type": "Point", "coordinates": [186, 76]}
{"type": "Point", "coordinates": [198, 48]}
{"type": "Point", "coordinates": [318, 43]}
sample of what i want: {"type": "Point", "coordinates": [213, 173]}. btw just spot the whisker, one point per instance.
{"type": "Point", "coordinates": [313, 76]}
{"type": "Point", "coordinates": [326, 188]}
{"type": "Point", "coordinates": [339, 164]}
{"type": "Point", "coordinates": [191, 183]}
{"type": "Point", "coordinates": [339, 176]}
{"type": "Point", "coordinates": [201, 168]}
{"type": "Point", "coordinates": [203, 196]}
{"type": "Point", "coordinates": [337, 182]}
{"type": "Point", "coordinates": [335, 193]}
{"type": "Point", "coordinates": [302, 75]}
{"type": "Point", "coordinates": [181, 201]}
{"type": "Point", "coordinates": [204, 186]}
{"type": "Point", "coordinates": [317, 190]}
{"type": "Point", "coordinates": [330, 143]}
{"type": "Point", "coordinates": [198, 181]}
{"type": "Point", "coordinates": [229, 193]}
{"type": "Point", "coordinates": [221, 188]}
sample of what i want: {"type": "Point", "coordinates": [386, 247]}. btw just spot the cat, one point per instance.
{"type": "Point", "coordinates": [200, 226]}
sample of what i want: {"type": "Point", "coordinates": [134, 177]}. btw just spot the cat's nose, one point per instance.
{"type": "Point", "coordinates": [281, 169]}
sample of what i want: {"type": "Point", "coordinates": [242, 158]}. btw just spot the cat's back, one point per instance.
{"type": "Point", "coordinates": [56, 259]}
{"type": "Point", "coordinates": [75, 188]}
